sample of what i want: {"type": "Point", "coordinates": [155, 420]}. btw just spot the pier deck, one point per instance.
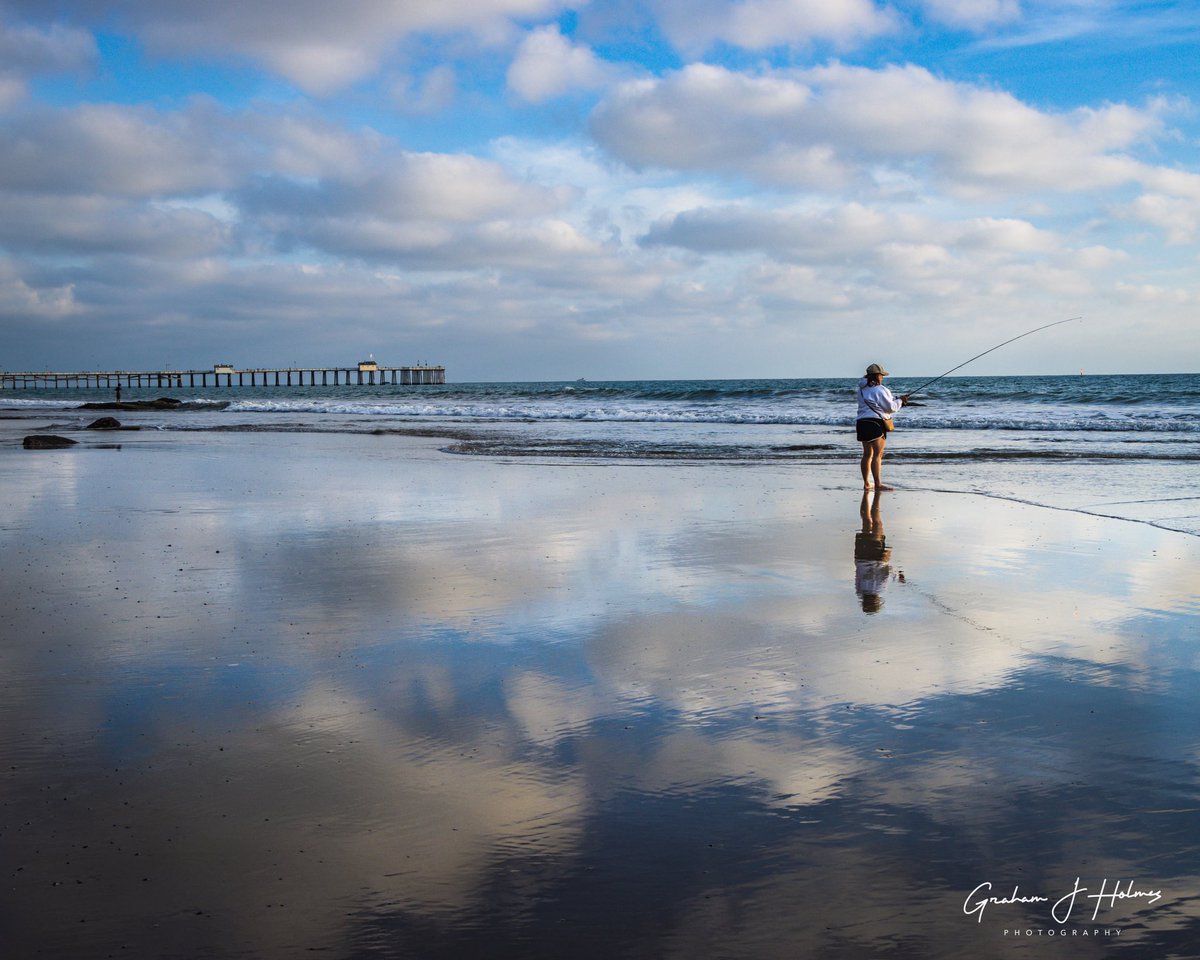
{"type": "Point", "coordinates": [256, 377]}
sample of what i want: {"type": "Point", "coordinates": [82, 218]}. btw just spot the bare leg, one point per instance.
{"type": "Point", "coordinates": [873, 464]}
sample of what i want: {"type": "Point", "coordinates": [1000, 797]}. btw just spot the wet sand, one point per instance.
{"type": "Point", "coordinates": [271, 695]}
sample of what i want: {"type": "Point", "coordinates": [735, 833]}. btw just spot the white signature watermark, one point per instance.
{"type": "Point", "coordinates": [979, 899]}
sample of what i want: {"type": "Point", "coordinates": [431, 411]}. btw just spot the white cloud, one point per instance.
{"type": "Point", "coordinates": [853, 256]}
{"type": "Point", "coordinates": [434, 91]}
{"type": "Point", "coordinates": [548, 65]}
{"type": "Point", "coordinates": [204, 213]}
{"type": "Point", "coordinates": [18, 297]}
{"type": "Point", "coordinates": [710, 118]}
{"type": "Point", "coordinates": [403, 186]}
{"type": "Point", "coordinates": [1171, 203]}
{"type": "Point", "coordinates": [1179, 183]}
{"type": "Point", "coordinates": [127, 180]}
{"type": "Point", "coordinates": [837, 233]}
{"type": "Point", "coordinates": [452, 187]}
{"type": "Point", "coordinates": [12, 92]}
{"type": "Point", "coordinates": [58, 225]}
{"type": "Point", "coordinates": [839, 125]}
{"type": "Point", "coordinates": [695, 25]}
{"type": "Point", "coordinates": [297, 144]}
{"type": "Point", "coordinates": [1096, 259]}
{"type": "Point", "coordinates": [1103, 29]}
{"type": "Point", "coordinates": [104, 148]}
{"type": "Point", "coordinates": [814, 234]}
{"type": "Point", "coordinates": [973, 14]}
{"type": "Point", "coordinates": [27, 51]}
{"type": "Point", "coordinates": [1006, 236]}
{"type": "Point", "coordinates": [320, 46]}
{"type": "Point", "coordinates": [1178, 219]}
{"type": "Point", "coordinates": [1149, 294]}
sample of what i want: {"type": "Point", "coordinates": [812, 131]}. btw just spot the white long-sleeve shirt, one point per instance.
{"type": "Point", "coordinates": [877, 402]}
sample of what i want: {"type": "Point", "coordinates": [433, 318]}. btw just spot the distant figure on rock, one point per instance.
{"type": "Point", "coordinates": [118, 393]}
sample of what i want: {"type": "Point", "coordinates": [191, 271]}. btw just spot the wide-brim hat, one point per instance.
{"type": "Point", "coordinates": [877, 370]}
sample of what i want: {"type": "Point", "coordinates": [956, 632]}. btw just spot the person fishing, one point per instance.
{"type": "Point", "coordinates": [876, 404]}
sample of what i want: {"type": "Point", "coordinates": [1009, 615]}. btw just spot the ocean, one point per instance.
{"type": "Point", "coordinates": [1115, 445]}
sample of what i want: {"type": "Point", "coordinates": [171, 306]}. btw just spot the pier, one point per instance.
{"type": "Point", "coordinates": [225, 375]}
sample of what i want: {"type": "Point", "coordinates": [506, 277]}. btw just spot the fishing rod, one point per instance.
{"type": "Point", "coordinates": [1044, 326]}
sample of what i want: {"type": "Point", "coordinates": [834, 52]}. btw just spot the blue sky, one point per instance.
{"type": "Point", "coordinates": [549, 189]}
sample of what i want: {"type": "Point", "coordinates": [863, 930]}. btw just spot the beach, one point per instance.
{"type": "Point", "coordinates": [364, 693]}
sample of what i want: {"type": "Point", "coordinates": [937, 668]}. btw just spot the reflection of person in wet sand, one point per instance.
{"type": "Point", "coordinates": [872, 556]}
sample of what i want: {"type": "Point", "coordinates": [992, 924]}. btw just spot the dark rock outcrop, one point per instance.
{"type": "Point", "coordinates": [47, 441]}
{"type": "Point", "coordinates": [162, 403]}
{"type": "Point", "coordinates": [105, 423]}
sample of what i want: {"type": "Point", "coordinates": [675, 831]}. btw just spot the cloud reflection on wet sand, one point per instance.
{"type": "Point", "coordinates": [288, 697]}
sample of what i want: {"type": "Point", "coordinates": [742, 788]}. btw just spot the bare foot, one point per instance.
{"type": "Point", "coordinates": [884, 486]}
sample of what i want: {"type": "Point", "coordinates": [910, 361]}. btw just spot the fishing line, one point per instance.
{"type": "Point", "coordinates": [1044, 326]}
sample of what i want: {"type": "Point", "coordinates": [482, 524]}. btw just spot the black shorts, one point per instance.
{"type": "Point", "coordinates": [870, 429]}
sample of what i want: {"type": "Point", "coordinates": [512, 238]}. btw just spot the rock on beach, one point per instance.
{"type": "Point", "coordinates": [47, 441]}
{"type": "Point", "coordinates": [162, 403]}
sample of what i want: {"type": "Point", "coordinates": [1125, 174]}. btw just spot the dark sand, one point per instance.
{"type": "Point", "coordinates": [348, 696]}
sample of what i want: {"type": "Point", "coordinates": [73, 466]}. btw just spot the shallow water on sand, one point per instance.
{"type": "Point", "coordinates": [1121, 446]}
{"type": "Point", "coordinates": [265, 694]}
